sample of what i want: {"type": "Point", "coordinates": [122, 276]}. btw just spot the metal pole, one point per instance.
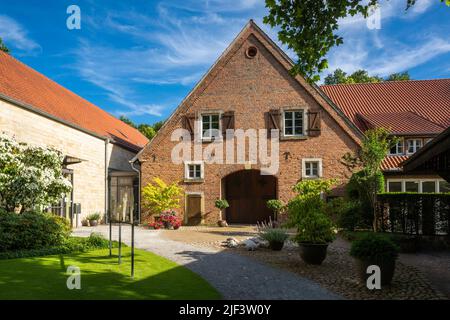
{"type": "Point", "coordinates": [120, 243]}
{"type": "Point", "coordinates": [132, 250]}
{"type": "Point", "coordinates": [110, 237]}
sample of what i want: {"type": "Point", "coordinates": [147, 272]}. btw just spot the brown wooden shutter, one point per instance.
{"type": "Point", "coordinates": [314, 123]}
{"type": "Point", "coordinates": [273, 121]}
{"type": "Point", "coordinates": [227, 122]}
{"type": "Point", "coordinates": [189, 123]}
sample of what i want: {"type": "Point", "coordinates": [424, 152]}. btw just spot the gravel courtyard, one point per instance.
{"type": "Point", "coordinates": [241, 274]}
{"type": "Point", "coordinates": [233, 275]}
{"type": "Point", "coordinates": [418, 276]}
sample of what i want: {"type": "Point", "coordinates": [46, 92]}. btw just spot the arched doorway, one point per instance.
{"type": "Point", "coordinates": [247, 192]}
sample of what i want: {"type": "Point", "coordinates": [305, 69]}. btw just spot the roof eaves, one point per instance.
{"type": "Point", "coordinates": [49, 116]}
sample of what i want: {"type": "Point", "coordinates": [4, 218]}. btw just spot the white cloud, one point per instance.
{"type": "Point", "coordinates": [15, 36]}
{"type": "Point", "coordinates": [172, 48]}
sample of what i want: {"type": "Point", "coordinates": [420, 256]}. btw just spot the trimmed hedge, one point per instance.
{"type": "Point", "coordinates": [71, 245]}
{"type": "Point", "coordinates": [32, 230]}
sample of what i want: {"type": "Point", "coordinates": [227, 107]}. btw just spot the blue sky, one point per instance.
{"type": "Point", "coordinates": [141, 58]}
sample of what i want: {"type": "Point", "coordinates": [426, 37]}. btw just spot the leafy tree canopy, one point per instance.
{"type": "Point", "coordinates": [148, 130]}
{"type": "Point", "coordinates": [362, 76]}
{"type": "Point", "coordinates": [309, 28]}
{"type": "Point", "coordinates": [3, 47]}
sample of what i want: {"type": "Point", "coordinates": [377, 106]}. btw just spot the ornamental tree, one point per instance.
{"type": "Point", "coordinates": [310, 28]}
{"type": "Point", "coordinates": [160, 196]}
{"type": "Point", "coordinates": [375, 146]}
{"type": "Point", "coordinates": [30, 177]}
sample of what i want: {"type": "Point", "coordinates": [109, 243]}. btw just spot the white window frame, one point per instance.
{"type": "Point", "coordinates": [304, 124]}
{"type": "Point", "coordinates": [402, 142]}
{"type": "Point", "coordinates": [210, 113]}
{"type": "Point", "coordinates": [319, 168]}
{"type": "Point", "coordinates": [419, 181]}
{"type": "Point", "coordinates": [193, 163]}
{"type": "Point", "coordinates": [415, 145]}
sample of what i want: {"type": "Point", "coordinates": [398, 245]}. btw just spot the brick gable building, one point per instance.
{"type": "Point", "coordinates": [250, 87]}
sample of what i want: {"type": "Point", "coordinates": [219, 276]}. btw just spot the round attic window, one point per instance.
{"type": "Point", "coordinates": [251, 52]}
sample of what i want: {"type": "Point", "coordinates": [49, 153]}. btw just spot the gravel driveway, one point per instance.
{"type": "Point", "coordinates": [233, 275]}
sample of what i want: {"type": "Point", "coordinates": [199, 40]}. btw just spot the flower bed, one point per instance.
{"type": "Point", "coordinates": [166, 220]}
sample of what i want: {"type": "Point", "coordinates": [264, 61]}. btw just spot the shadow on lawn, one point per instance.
{"type": "Point", "coordinates": [101, 278]}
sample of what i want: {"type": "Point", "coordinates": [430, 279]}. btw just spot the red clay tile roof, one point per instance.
{"type": "Point", "coordinates": [393, 163]}
{"type": "Point", "coordinates": [429, 99]}
{"type": "Point", "coordinates": [401, 123]}
{"type": "Point", "coordinates": [25, 85]}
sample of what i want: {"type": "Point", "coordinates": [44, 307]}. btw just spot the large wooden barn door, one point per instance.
{"type": "Point", "coordinates": [247, 192]}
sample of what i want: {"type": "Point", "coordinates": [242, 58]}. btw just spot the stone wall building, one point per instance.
{"type": "Point", "coordinates": [97, 146]}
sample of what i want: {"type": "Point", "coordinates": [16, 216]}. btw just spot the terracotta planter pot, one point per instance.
{"type": "Point", "coordinates": [222, 223]}
{"type": "Point", "coordinates": [276, 245]}
{"type": "Point", "coordinates": [387, 269]}
{"type": "Point", "coordinates": [85, 223]}
{"type": "Point", "coordinates": [313, 253]}
{"type": "Point", "coordinates": [93, 223]}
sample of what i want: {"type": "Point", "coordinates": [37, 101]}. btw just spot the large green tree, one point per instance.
{"type": "Point", "coordinates": [375, 145]}
{"type": "Point", "coordinates": [309, 28]}
{"type": "Point", "coordinates": [362, 76]}
{"type": "Point", "coordinates": [148, 130]}
{"type": "Point", "coordinates": [3, 46]}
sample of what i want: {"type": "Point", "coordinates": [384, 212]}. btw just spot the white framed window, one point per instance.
{"type": "Point", "coordinates": [210, 126]}
{"type": "Point", "coordinates": [398, 148]}
{"type": "Point", "coordinates": [413, 145]}
{"type": "Point", "coordinates": [294, 123]}
{"type": "Point", "coordinates": [311, 168]}
{"type": "Point", "coordinates": [417, 185]}
{"type": "Point", "coordinates": [194, 170]}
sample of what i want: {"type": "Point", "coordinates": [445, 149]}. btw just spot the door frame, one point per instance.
{"type": "Point", "coordinates": [202, 205]}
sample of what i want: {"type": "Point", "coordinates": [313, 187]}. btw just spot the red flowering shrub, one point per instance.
{"type": "Point", "coordinates": [169, 219]}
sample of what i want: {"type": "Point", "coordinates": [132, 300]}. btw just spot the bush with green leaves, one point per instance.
{"type": "Point", "coordinates": [274, 235]}
{"type": "Point", "coordinates": [346, 213]}
{"type": "Point", "coordinates": [316, 228]}
{"type": "Point", "coordinates": [221, 204]}
{"type": "Point", "coordinates": [30, 177]}
{"type": "Point", "coordinates": [32, 230]}
{"type": "Point", "coordinates": [71, 245]}
{"type": "Point", "coordinates": [159, 196]}
{"type": "Point", "coordinates": [93, 216]}
{"type": "Point", "coordinates": [308, 212]}
{"type": "Point", "coordinates": [373, 246]}
{"type": "Point", "coordinates": [276, 206]}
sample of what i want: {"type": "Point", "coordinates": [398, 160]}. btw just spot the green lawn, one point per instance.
{"type": "Point", "coordinates": [101, 278]}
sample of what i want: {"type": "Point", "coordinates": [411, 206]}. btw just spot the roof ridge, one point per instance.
{"type": "Point", "coordinates": [383, 82]}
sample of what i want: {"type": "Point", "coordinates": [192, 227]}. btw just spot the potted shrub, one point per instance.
{"type": "Point", "coordinates": [307, 213]}
{"type": "Point", "coordinates": [276, 206]}
{"type": "Point", "coordinates": [85, 223]}
{"type": "Point", "coordinates": [316, 231]}
{"type": "Point", "coordinates": [275, 237]}
{"type": "Point", "coordinates": [93, 219]}
{"type": "Point", "coordinates": [221, 204]}
{"type": "Point", "coordinates": [375, 249]}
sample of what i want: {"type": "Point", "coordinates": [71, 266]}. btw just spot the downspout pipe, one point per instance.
{"type": "Point", "coordinates": [132, 162]}
{"type": "Point", "coordinates": [106, 179]}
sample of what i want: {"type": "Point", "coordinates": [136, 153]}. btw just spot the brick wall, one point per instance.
{"type": "Point", "coordinates": [250, 88]}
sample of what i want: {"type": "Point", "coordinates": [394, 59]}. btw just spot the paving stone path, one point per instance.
{"type": "Point", "coordinates": [233, 275]}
